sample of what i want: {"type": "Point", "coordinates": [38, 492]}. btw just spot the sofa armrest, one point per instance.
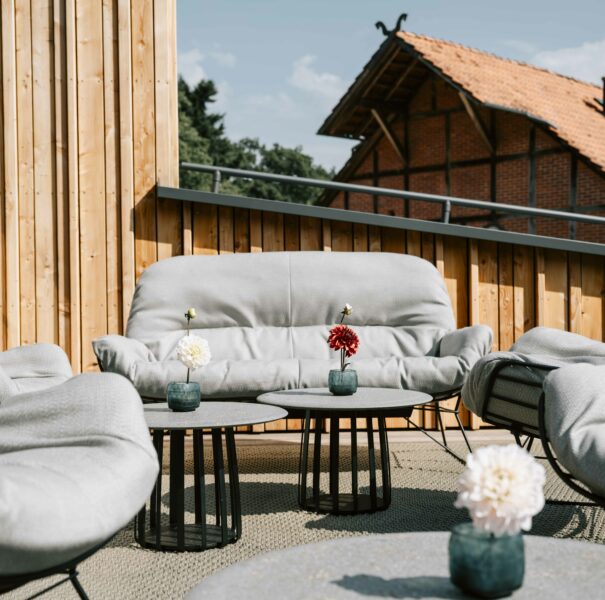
{"type": "Point", "coordinates": [118, 354]}
{"type": "Point", "coordinates": [37, 360]}
{"type": "Point", "coordinates": [468, 343]}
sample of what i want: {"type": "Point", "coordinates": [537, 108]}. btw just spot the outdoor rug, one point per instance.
{"type": "Point", "coordinates": [424, 485]}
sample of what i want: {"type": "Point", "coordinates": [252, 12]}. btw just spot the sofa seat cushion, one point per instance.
{"type": "Point", "coordinates": [575, 421]}
{"type": "Point", "coordinates": [76, 464]}
{"type": "Point", "coordinates": [249, 378]}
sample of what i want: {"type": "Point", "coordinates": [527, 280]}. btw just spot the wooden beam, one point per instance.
{"type": "Point", "coordinates": [397, 84]}
{"type": "Point", "coordinates": [531, 194]}
{"type": "Point", "coordinates": [402, 78]}
{"type": "Point", "coordinates": [389, 134]}
{"type": "Point", "coordinates": [476, 120]}
{"type": "Point", "coordinates": [573, 193]}
{"type": "Point", "coordinates": [382, 105]}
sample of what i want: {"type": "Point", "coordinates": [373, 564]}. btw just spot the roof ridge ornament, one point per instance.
{"type": "Point", "coordinates": [380, 25]}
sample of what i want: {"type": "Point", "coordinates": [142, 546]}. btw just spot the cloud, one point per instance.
{"type": "Point", "coordinates": [224, 94]}
{"type": "Point", "coordinates": [190, 66]}
{"type": "Point", "coordinates": [325, 86]}
{"type": "Point", "coordinates": [586, 62]}
{"type": "Point", "coordinates": [224, 59]}
{"type": "Point", "coordinates": [279, 105]}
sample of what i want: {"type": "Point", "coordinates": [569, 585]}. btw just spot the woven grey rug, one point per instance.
{"type": "Point", "coordinates": [424, 485]}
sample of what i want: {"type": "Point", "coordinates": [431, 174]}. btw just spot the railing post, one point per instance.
{"type": "Point", "coordinates": [447, 211]}
{"type": "Point", "coordinates": [216, 182]}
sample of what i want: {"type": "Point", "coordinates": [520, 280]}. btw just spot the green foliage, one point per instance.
{"type": "Point", "coordinates": [202, 139]}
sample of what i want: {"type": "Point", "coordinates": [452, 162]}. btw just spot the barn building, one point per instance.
{"type": "Point", "coordinates": [437, 117]}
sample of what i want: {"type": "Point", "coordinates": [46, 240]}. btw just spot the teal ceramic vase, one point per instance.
{"type": "Point", "coordinates": [485, 565]}
{"type": "Point", "coordinates": [342, 383]}
{"type": "Point", "coordinates": [183, 397]}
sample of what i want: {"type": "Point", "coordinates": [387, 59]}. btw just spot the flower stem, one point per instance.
{"type": "Point", "coordinates": [187, 375]}
{"type": "Point", "coordinates": [342, 359]}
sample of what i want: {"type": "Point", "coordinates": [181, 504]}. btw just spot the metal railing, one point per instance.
{"type": "Point", "coordinates": [447, 202]}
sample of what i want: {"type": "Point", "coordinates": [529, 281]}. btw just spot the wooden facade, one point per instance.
{"type": "Point", "coordinates": [509, 287]}
{"type": "Point", "coordinates": [88, 124]}
{"type": "Point", "coordinates": [88, 127]}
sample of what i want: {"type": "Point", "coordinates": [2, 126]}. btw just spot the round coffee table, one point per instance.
{"type": "Point", "coordinates": [367, 403]}
{"type": "Point", "coordinates": [220, 418]}
{"type": "Point", "coordinates": [399, 565]}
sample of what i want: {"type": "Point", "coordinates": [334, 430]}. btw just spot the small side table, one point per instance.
{"type": "Point", "coordinates": [219, 418]}
{"type": "Point", "coordinates": [367, 403]}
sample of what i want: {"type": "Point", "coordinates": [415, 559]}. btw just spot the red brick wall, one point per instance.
{"type": "Point", "coordinates": [427, 147]}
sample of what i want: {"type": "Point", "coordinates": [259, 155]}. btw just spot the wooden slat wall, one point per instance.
{"type": "Point", "coordinates": [510, 288]}
{"type": "Point", "coordinates": [88, 125]}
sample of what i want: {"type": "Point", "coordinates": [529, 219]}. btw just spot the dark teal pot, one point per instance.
{"type": "Point", "coordinates": [484, 565]}
{"type": "Point", "coordinates": [342, 383]}
{"type": "Point", "coordinates": [183, 397]}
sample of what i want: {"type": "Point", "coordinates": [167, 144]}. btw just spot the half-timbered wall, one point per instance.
{"type": "Point", "coordinates": [88, 124]}
{"type": "Point", "coordinates": [442, 152]}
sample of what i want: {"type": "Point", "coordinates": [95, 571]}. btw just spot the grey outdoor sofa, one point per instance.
{"type": "Point", "coordinates": [551, 386]}
{"type": "Point", "coordinates": [76, 465]}
{"type": "Point", "coordinates": [266, 317]}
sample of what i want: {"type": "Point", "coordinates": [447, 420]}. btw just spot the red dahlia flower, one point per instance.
{"type": "Point", "coordinates": [344, 338]}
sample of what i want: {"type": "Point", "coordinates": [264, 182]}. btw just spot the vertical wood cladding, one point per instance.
{"type": "Point", "coordinates": [89, 124]}
{"type": "Point", "coordinates": [447, 155]}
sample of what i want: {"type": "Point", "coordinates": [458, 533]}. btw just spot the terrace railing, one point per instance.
{"type": "Point", "coordinates": [507, 280]}
{"type": "Point", "coordinates": [446, 202]}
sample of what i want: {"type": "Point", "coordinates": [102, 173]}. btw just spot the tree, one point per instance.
{"type": "Point", "coordinates": [202, 139]}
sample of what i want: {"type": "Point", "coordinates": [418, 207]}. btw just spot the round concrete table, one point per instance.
{"type": "Point", "coordinates": [367, 403]}
{"type": "Point", "coordinates": [220, 418]}
{"type": "Point", "coordinates": [402, 565]}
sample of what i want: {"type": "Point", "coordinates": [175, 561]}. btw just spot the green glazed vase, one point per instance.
{"type": "Point", "coordinates": [342, 383]}
{"type": "Point", "coordinates": [183, 397]}
{"type": "Point", "coordinates": [485, 565]}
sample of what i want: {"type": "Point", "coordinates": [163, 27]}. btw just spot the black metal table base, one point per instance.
{"type": "Point", "coordinates": [335, 500]}
{"type": "Point", "coordinates": [176, 535]}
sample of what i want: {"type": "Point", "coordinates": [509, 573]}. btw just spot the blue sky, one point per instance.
{"type": "Point", "coordinates": [281, 65]}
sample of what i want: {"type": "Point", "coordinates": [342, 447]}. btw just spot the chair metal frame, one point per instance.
{"type": "Point", "coordinates": [435, 407]}
{"type": "Point", "coordinates": [519, 429]}
{"type": "Point", "coordinates": [69, 569]}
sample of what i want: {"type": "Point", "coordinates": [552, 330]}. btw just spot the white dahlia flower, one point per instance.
{"type": "Point", "coordinates": [193, 351]}
{"type": "Point", "coordinates": [503, 488]}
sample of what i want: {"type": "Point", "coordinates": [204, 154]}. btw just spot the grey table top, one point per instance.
{"type": "Point", "coordinates": [211, 415]}
{"type": "Point", "coordinates": [399, 565]}
{"type": "Point", "coordinates": [364, 399]}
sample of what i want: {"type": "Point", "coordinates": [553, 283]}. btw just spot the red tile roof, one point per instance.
{"type": "Point", "coordinates": [568, 106]}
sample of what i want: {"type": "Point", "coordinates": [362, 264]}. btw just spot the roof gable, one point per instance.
{"type": "Point", "coordinates": [566, 106]}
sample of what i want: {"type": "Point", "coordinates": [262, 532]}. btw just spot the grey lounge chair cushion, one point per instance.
{"type": "Point", "coordinates": [575, 421]}
{"type": "Point", "coordinates": [539, 346]}
{"type": "Point", "coordinates": [266, 317]}
{"type": "Point", "coordinates": [76, 464]}
{"type": "Point", "coordinates": [30, 368]}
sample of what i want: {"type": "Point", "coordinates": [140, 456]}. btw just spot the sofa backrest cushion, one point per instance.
{"type": "Point", "coordinates": [281, 304]}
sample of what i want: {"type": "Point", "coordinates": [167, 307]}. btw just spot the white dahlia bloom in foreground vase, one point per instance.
{"type": "Point", "coordinates": [502, 488]}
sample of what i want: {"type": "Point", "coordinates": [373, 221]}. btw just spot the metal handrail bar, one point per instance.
{"type": "Point", "coordinates": [447, 201]}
